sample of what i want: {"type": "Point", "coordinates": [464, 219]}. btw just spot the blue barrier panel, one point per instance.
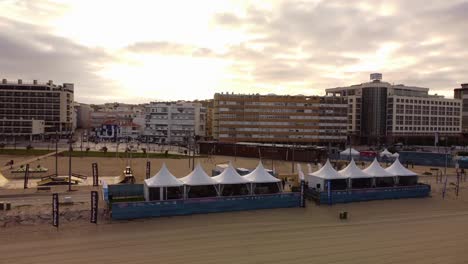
{"type": "Point", "coordinates": [126, 190]}
{"type": "Point", "coordinates": [426, 158]}
{"type": "Point", "coordinates": [421, 190]}
{"type": "Point", "coordinates": [133, 210]}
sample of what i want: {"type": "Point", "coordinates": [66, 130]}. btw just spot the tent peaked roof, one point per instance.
{"type": "Point", "coordinates": [352, 171]}
{"type": "Point", "coordinates": [163, 178]}
{"type": "Point", "coordinates": [198, 177]}
{"type": "Point", "coordinates": [327, 172]}
{"type": "Point", "coordinates": [346, 152]}
{"type": "Point", "coordinates": [398, 169]}
{"type": "Point", "coordinates": [385, 153]}
{"type": "Point", "coordinates": [376, 170]}
{"type": "Point", "coordinates": [260, 175]}
{"type": "Point", "coordinates": [230, 176]}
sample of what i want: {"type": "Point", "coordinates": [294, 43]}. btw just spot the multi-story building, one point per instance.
{"type": "Point", "coordinates": [114, 130]}
{"type": "Point", "coordinates": [35, 109]}
{"type": "Point", "coordinates": [174, 122]}
{"type": "Point", "coordinates": [279, 118]}
{"type": "Point", "coordinates": [462, 94]}
{"type": "Point", "coordinates": [380, 112]}
{"type": "Point", "coordinates": [208, 105]}
{"type": "Point", "coordinates": [83, 115]}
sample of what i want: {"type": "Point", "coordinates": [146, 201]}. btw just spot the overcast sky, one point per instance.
{"type": "Point", "coordinates": [138, 51]}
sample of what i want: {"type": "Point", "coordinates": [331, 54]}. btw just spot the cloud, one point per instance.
{"type": "Point", "coordinates": [169, 48]}
{"type": "Point", "coordinates": [340, 42]}
{"type": "Point", "coordinates": [288, 46]}
{"type": "Point", "coordinates": [28, 52]}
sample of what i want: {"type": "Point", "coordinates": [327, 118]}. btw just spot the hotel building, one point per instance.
{"type": "Point", "coordinates": [380, 112]}
{"type": "Point", "coordinates": [462, 94]}
{"type": "Point", "coordinates": [35, 109]}
{"type": "Point", "coordinates": [279, 118]}
{"type": "Point", "coordinates": [174, 122]}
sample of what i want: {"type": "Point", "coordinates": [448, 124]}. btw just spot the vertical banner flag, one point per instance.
{"type": "Point", "coordinates": [329, 192]}
{"type": "Point", "coordinates": [436, 138]}
{"type": "Point", "coordinates": [301, 178]}
{"type": "Point", "coordinates": [55, 210]}
{"type": "Point", "coordinates": [95, 174]}
{"type": "Point", "coordinates": [148, 169]}
{"type": "Point", "coordinates": [94, 207]}
{"type": "Point", "coordinates": [26, 176]}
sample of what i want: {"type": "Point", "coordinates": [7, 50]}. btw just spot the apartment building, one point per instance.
{"type": "Point", "coordinates": [35, 109]}
{"type": "Point", "coordinates": [208, 105]}
{"type": "Point", "coordinates": [380, 112]}
{"type": "Point", "coordinates": [279, 118]}
{"type": "Point", "coordinates": [462, 94]}
{"type": "Point", "coordinates": [174, 122]}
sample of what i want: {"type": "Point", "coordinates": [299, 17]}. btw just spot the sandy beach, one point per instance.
{"type": "Point", "coordinates": [427, 230]}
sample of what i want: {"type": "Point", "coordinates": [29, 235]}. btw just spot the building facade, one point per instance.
{"type": "Point", "coordinates": [380, 112]}
{"type": "Point", "coordinates": [208, 105]}
{"type": "Point", "coordinates": [83, 115]}
{"type": "Point", "coordinates": [462, 94]}
{"type": "Point", "coordinates": [174, 122]}
{"type": "Point", "coordinates": [35, 109]}
{"type": "Point", "coordinates": [279, 118]}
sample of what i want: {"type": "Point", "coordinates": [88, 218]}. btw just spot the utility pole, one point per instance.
{"type": "Point", "coordinates": [292, 167]}
{"type": "Point", "coordinates": [70, 161]}
{"type": "Point", "coordinates": [56, 153]}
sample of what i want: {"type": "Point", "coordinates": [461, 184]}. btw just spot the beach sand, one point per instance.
{"type": "Point", "coordinates": [428, 230]}
{"type": "Point", "coordinates": [425, 230]}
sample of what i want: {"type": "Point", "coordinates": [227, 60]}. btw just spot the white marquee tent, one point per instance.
{"type": "Point", "coordinates": [347, 151]}
{"type": "Point", "coordinates": [259, 176]}
{"type": "Point", "coordinates": [162, 180]}
{"type": "Point", "coordinates": [230, 177]}
{"type": "Point", "coordinates": [382, 178]}
{"type": "Point", "coordinates": [398, 169]}
{"type": "Point", "coordinates": [198, 177]}
{"type": "Point", "coordinates": [404, 176]}
{"type": "Point", "coordinates": [356, 176]}
{"type": "Point", "coordinates": [326, 173]}
{"type": "Point", "coordinates": [385, 153]}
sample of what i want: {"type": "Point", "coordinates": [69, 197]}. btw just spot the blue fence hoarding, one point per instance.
{"type": "Point", "coordinates": [359, 195]}
{"type": "Point", "coordinates": [133, 210]}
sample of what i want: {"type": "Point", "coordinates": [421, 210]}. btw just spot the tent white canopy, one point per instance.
{"type": "Point", "coordinates": [352, 171]}
{"type": "Point", "coordinates": [385, 153]}
{"type": "Point", "coordinates": [198, 177]}
{"type": "Point", "coordinates": [397, 169]}
{"type": "Point", "coordinates": [163, 178]}
{"type": "Point", "coordinates": [260, 175]}
{"type": "Point", "coordinates": [395, 155]}
{"type": "Point", "coordinates": [328, 172]}
{"type": "Point", "coordinates": [230, 176]}
{"type": "Point", "coordinates": [346, 152]}
{"type": "Point", "coordinates": [375, 170]}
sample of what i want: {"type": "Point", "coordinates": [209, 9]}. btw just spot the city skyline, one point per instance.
{"type": "Point", "coordinates": [145, 51]}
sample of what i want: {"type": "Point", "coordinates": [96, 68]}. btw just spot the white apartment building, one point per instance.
{"type": "Point", "coordinates": [35, 109]}
{"type": "Point", "coordinates": [174, 122]}
{"type": "Point", "coordinates": [380, 112]}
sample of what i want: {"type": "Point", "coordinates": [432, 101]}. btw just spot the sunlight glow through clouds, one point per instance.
{"type": "Point", "coordinates": [141, 50]}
